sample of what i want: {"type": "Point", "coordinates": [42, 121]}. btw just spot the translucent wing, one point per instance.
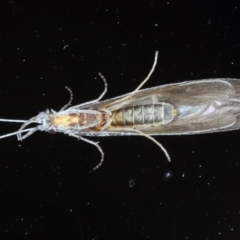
{"type": "Point", "coordinates": [202, 106]}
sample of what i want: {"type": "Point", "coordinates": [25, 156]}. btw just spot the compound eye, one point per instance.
{"type": "Point", "coordinates": [51, 131]}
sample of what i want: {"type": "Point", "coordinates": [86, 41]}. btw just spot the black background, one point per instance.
{"type": "Point", "coordinates": [48, 189]}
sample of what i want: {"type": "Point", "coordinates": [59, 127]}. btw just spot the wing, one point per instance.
{"type": "Point", "coordinates": [202, 106]}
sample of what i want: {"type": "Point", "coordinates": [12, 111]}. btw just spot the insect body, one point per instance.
{"type": "Point", "coordinates": [194, 107]}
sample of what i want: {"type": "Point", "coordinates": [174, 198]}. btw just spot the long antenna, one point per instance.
{"type": "Point", "coordinates": [14, 133]}
{"type": "Point", "coordinates": [12, 120]}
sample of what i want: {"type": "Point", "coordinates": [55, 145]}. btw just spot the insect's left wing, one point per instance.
{"type": "Point", "coordinates": [202, 106]}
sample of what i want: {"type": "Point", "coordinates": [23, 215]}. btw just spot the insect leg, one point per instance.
{"type": "Point", "coordinates": [70, 101]}
{"type": "Point", "coordinates": [149, 75]}
{"type": "Point", "coordinates": [155, 141]}
{"type": "Point", "coordinates": [105, 87]}
{"type": "Point", "coordinates": [16, 133]}
{"type": "Point", "coordinates": [96, 100]}
{"type": "Point", "coordinates": [95, 144]}
{"type": "Point", "coordinates": [99, 148]}
{"type": "Point", "coordinates": [30, 132]}
{"type": "Point", "coordinates": [150, 138]}
{"type": "Point", "coordinates": [145, 80]}
{"type": "Point", "coordinates": [136, 90]}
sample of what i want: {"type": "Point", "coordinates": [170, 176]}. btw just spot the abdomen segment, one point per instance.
{"type": "Point", "coordinates": [161, 113]}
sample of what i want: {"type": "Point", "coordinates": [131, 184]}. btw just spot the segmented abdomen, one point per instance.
{"type": "Point", "coordinates": [161, 113]}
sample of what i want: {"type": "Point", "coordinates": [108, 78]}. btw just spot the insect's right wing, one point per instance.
{"type": "Point", "coordinates": [202, 106]}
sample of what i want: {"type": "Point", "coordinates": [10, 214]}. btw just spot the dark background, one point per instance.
{"type": "Point", "coordinates": [48, 189]}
